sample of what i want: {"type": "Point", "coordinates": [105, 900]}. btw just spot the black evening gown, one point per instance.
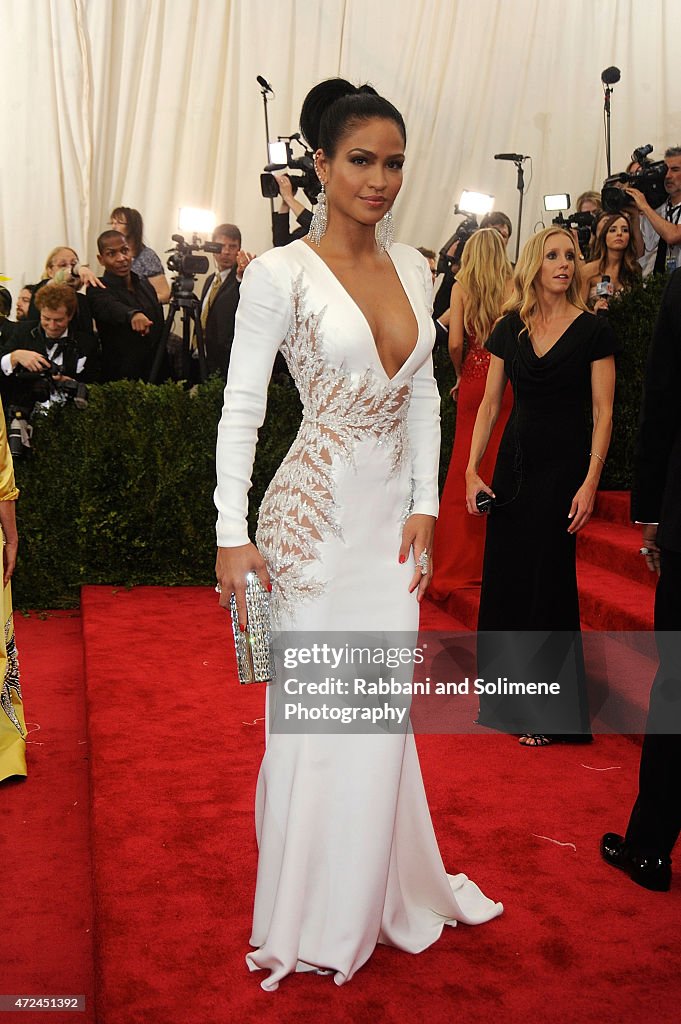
{"type": "Point", "coordinates": [529, 630]}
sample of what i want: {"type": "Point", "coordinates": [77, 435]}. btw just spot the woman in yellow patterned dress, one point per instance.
{"type": "Point", "coordinates": [12, 726]}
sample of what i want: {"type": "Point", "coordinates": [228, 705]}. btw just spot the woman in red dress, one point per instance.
{"type": "Point", "coordinates": [482, 286]}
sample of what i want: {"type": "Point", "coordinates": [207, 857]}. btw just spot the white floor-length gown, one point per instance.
{"type": "Point", "coordinates": [347, 852]}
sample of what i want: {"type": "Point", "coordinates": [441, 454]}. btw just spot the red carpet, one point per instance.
{"type": "Point", "coordinates": [44, 827]}
{"type": "Point", "coordinates": [175, 749]}
{"type": "Point", "coordinates": [616, 590]}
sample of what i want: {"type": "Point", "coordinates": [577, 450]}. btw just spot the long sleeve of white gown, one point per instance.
{"type": "Point", "coordinates": [262, 322]}
{"type": "Point", "coordinates": [424, 427]}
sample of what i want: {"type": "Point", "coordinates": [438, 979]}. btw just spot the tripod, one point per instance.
{"type": "Point", "coordinates": [182, 297]}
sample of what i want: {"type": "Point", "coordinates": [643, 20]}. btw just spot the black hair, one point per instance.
{"type": "Point", "coordinates": [105, 236]}
{"type": "Point", "coordinates": [227, 231]}
{"type": "Point", "coordinates": [334, 107]}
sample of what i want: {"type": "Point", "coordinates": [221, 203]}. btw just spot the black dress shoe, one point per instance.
{"type": "Point", "coordinates": [647, 870]}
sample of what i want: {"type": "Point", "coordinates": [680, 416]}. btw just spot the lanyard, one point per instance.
{"type": "Point", "coordinates": [672, 213]}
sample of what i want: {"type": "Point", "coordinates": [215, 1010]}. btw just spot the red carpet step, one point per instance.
{"type": "Point", "coordinates": [614, 506]}
{"type": "Point", "coordinates": [176, 744]}
{"type": "Point", "coordinates": [616, 595]}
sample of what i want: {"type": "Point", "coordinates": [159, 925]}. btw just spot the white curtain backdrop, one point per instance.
{"type": "Point", "coordinates": [154, 104]}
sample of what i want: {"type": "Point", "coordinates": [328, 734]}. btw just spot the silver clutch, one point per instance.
{"type": "Point", "coordinates": [254, 646]}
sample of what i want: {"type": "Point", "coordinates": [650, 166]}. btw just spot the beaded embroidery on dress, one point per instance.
{"type": "Point", "coordinates": [11, 680]}
{"type": "Point", "coordinates": [347, 854]}
{"type": "Point", "coordinates": [299, 507]}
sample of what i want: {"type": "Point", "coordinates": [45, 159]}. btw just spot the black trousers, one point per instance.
{"type": "Point", "coordinates": [655, 820]}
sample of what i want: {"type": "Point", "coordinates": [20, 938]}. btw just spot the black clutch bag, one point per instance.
{"type": "Point", "coordinates": [254, 659]}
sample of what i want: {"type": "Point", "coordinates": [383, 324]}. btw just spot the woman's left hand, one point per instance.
{"type": "Point", "coordinates": [418, 534]}
{"type": "Point", "coordinates": [582, 506]}
{"type": "Point", "coordinates": [87, 277]}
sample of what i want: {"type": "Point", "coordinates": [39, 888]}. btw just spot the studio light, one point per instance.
{"type": "Point", "coordinates": [477, 203]}
{"type": "Point", "coordinates": [195, 221]}
{"type": "Point", "coordinates": [561, 201]}
{"type": "Point", "coordinates": [277, 153]}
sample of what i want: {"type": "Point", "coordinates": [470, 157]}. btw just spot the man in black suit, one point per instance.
{"type": "Point", "coordinates": [127, 312]}
{"type": "Point", "coordinates": [220, 298]}
{"type": "Point", "coordinates": [645, 851]}
{"type": "Point", "coordinates": [32, 347]}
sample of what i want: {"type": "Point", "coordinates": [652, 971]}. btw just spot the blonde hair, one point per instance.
{"type": "Point", "coordinates": [53, 255]}
{"type": "Point", "coordinates": [589, 197]}
{"type": "Point", "coordinates": [524, 299]}
{"type": "Point", "coordinates": [484, 277]}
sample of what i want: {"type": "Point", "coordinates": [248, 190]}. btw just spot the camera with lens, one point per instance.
{"type": "Point", "coordinates": [581, 223]}
{"type": "Point", "coordinates": [43, 382]}
{"type": "Point", "coordinates": [466, 229]}
{"type": "Point", "coordinates": [283, 159]}
{"type": "Point", "coordinates": [182, 259]}
{"type": "Point", "coordinates": [649, 180]}
{"type": "Point", "coordinates": [35, 387]}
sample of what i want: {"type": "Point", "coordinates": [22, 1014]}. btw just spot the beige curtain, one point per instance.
{"type": "Point", "coordinates": [154, 104]}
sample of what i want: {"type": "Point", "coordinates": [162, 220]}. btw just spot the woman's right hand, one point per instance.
{"type": "Point", "coordinates": [474, 484]}
{"type": "Point", "coordinates": [231, 568]}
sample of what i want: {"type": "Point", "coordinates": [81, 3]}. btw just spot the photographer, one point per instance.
{"type": "Point", "coordinates": [660, 228]}
{"type": "Point", "coordinates": [220, 297]}
{"type": "Point", "coordinates": [34, 348]}
{"type": "Point", "coordinates": [281, 233]}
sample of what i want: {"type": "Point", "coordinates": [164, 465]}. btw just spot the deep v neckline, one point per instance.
{"type": "Point", "coordinates": [361, 313]}
{"type": "Point", "coordinates": [558, 339]}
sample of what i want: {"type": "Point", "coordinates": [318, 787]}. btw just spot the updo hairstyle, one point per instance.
{"type": "Point", "coordinates": [332, 109]}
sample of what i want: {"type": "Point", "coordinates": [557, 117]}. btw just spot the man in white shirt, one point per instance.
{"type": "Point", "coordinates": [661, 228]}
{"type": "Point", "coordinates": [52, 342]}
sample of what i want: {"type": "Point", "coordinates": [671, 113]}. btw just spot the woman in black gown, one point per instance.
{"type": "Point", "coordinates": [558, 357]}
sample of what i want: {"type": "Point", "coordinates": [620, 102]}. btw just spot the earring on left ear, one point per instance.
{"type": "Point", "coordinates": [385, 231]}
{"type": "Point", "coordinates": [319, 220]}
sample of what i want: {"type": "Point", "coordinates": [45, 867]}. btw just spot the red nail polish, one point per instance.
{"type": "Point", "coordinates": [242, 627]}
{"type": "Point", "coordinates": [269, 587]}
{"type": "Point", "coordinates": [403, 559]}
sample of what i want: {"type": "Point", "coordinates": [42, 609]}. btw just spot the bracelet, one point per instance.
{"type": "Point", "coordinates": [595, 455]}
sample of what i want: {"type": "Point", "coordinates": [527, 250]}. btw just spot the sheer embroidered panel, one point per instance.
{"type": "Point", "coordinates": [299, 508]}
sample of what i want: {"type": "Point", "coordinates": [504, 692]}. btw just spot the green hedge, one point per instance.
{"type": "Point", "coordinates": [122, 492]}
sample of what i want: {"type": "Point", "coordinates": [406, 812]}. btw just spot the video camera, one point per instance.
{"type": "Point", "coordinates": [582, 223]}
{"type": "Point", "coordinates": [182, 259]}
{"type": "Point", "coordinates": [649, 180]}
{"type": "Point", "coordinates": [307, 179]}
{"type": "Point", "coordinates": [466, 229]}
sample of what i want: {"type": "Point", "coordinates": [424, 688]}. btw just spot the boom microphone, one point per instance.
{"type": "Point", "coordinates": [509, 156]}
{"type": "Point", "coordinates": [264, 83]}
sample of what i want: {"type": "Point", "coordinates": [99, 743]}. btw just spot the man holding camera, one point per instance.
{"type": "Point", "coordinates": [127, 312]}
{"type": "Point", "coordinates": [50, 345]}
{"type": "Point", "coordinates": [661, 228]}
{"type": "Point", "coordinates": [220, 298]}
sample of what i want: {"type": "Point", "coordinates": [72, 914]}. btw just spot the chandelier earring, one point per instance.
{"type": "Point", "coordinates": [320, 214]}
{"type": "Point", "coordinates": [385, 231]}
{"type": "Point", "coordinates": [320, 218]}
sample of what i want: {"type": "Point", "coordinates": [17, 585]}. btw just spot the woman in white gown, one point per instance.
{"type": "Point", "coordinates": [347, 853]}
